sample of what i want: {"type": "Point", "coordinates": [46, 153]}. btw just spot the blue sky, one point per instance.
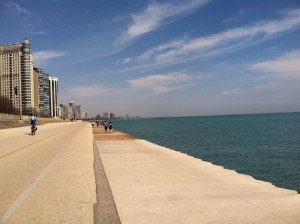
{"type": "Point", "coordinates": [164, 58]}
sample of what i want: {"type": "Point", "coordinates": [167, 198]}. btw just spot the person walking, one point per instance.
{"type": "Point", "coordinates": [105, 126]}
{"type": "Point", "coordinates": [110, 126]}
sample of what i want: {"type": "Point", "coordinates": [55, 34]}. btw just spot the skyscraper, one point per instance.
{"type": "Point", "coordinates": [112, 116]}
{"type": "Point", "coordinates": [105, 115]}
{"type": "Point", "coordinates": [44, 92]}
{"type": "Point", "coordinates": [78, 111]}
{"type": "Point", "coordinates": [16, 75]}
{"type": "Point", "coordinates": [54, 109]}
{"type": "Point", "coordinates": [36, 91]}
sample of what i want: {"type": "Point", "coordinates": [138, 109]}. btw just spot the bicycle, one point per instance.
{"type": "Point", "coordinates": [33, 129]}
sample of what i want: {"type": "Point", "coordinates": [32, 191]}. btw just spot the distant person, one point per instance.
{"type": "Point", "coordinates": [105, 126]}
{"type": "Point", "coordinates": [110, 126]}
{"type": "Point", "coordinates": [97, 123]}
{"type": "Point", "coordinates": [93, 123]}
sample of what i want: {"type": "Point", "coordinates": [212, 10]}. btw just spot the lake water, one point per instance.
{"type": "Point", "coordinates": [265, 146]}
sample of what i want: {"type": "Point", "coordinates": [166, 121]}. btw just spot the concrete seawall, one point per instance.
{"type": "Point", "coordinates": [10, 120]}
{"type": "Point", "coordinates": [9, 117]}
{"type": "Point", "coordinates": [154, 184]}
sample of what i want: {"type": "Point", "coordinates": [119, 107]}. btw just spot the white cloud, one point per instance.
{"type": "Point", "coordinates": [162, 83]}
{"type": "Point", "coordinates": [231, 92]}
{"type": "Point", "coordinates": [285, 67]}
{"type": "Point", "coordinates": [126, 61]}
{"type": "Point", "coordinates": [155, 15]}
{"type": "Point", "coordinates": [185, 49]}
{"type": "Point", "coordinates": [172, 45]}
{"type": "Point", "coordinates": [86, 91]}
{"type": "Point", "coordinates": [40, 57]}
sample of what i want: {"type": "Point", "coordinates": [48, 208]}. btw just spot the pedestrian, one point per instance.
{"type": "Point", "coordinates": [93, 123]}
{"type": "Point", "coordinates": [110, 126]}
{"type": "Point", "coordinates": [97, 124]}
{"type": "Point", "coordinates": [105, 126]}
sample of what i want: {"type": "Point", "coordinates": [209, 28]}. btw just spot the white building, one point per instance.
{"type": "Point", "coordinates": [54, 107]}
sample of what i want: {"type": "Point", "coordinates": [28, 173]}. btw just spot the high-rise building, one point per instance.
{"type": "Point", "coordinates": [65, 111]}
{"type": "Point", "coordinates": [83, 115]}
{"type": "Point", "coordinates": [44, 92]}
{"type": "Point", "coordinates": [48, 94]}
{"type": "Point", "coordinates": [73, 112]}
{"type": "Point", "coordinates": [105, 115]}
{"type": "Point", "coordinates": [16, 75]}
{"type": "Point", "coordinates": [112, 116]}
{"type": "Point", "coordinates": [78, 111]}
{"type": "Point", "coordinates": [36, 92]}
{"type": "Point", "coordinates": [70, 111]}
{"type": "Point", "coordinates": [54, 108]}
{"type": "Point", "coordinates": [29, 89]}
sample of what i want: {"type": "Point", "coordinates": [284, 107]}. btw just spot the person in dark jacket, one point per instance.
{"type": "Point", "coordinates": [110, 126]}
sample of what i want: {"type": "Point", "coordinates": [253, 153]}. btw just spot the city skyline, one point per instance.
{"type": "Point", "coordinates": [29, 90]}
{"type": "Point", "coordinates": [164, 58]}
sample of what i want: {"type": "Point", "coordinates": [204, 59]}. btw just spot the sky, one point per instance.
{"type": "Point", "coordinates": [164, 57]}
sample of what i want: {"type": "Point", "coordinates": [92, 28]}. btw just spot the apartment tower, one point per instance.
{"type": "Point", "coordinates": [16, 75]}
{"type": "Point", "coordinates": [44, 92]}
{"type": "Point", "coordinates": [54, 108]}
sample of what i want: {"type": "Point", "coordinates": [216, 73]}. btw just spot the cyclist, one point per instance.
{"type": "Point", "coordinates": [33, 122]}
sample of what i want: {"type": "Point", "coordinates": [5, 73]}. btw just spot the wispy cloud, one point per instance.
{"type": "Point", "coordinates": [16, 8]}
{"type": "Point", "coordinates": [186, 49]}
{"type": "Point", "coordinates": [22, 18]}
{"type": "Point", "coordinates": [284, 67]}
{"type": "Point", "coordinates": [86, 91]}
{"type": "Point", "coordinates": [155, 15]}
{"type": "Point", "coordinates": [42, 32]}
{"type": "Point", "coordinates": [230, 92]}
{"type": "Point", "coordinates": [162, 83]}
{"type": "Point", "coordinates": [40, 57]}
{"type": "Point", "coordinates": [236, 18]}
{"type": "Point", "coordinates": [125, 61]}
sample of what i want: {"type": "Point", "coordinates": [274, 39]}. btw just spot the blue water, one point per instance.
{"type": "Point", "coordinates": [265, 146]}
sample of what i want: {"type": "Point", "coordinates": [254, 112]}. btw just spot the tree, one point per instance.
{"type": "Point", "coordinates": [6, 106]}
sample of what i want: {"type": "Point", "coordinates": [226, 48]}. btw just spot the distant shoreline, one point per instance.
{"type": "Point", "coordinates": [221, 115]}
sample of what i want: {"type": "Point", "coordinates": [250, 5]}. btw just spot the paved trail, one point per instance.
{"type": "Point", "coordinates": [49, 177]}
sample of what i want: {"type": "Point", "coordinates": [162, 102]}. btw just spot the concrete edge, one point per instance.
{"type": "Point", "coordinates": [105, 211]}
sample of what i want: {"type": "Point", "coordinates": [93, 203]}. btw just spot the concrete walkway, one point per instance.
{"type": "Point", "coordinates": [153, 184]}
{"type": "Point", "coordinates": [49, 177]}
